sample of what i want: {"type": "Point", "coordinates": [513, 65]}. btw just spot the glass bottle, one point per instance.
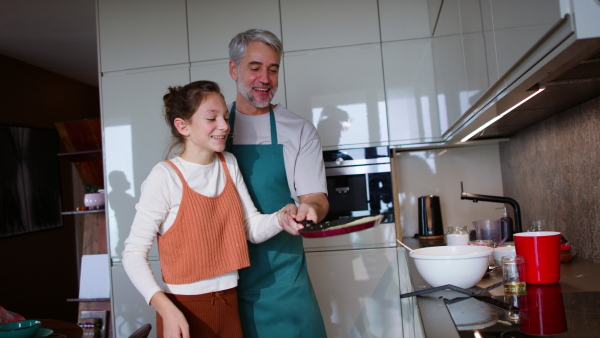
{"type": "Point", "coordinates": [457, 235]}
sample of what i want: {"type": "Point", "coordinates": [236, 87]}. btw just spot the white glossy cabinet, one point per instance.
{"type": "Point", "coordinates": [518, 25]}
{"type": "Point", "coordinates": [130, 310]}
{"type": "Point", "coordinates": [474, 50]}
{"type": "Point", "coordinates": [358, 292]}
{"type": "Point", "coordinates": [212, 24]}
{"type": "Point", "coordinates": [403, 20]}
{"type": "Point", "coordinates": [311, 24]}
{"type": "Point", "coordinates": [450, 79]}
{"type": "Point", "coordinates": [411, 319]}
{"type": "Point", "coordinates": [410, 91]}
{"type": "Point", "coordinates": [434, 7]}
{"type": "Point", "coordinates": [218, 71]}
{"type": "Point", "coordinates": [340, 90]}
{"type": "Point", "coordinates": [138, 35]}
{"type": "Point", "coordinates": [136, 138]}
{"type": "Point", "coordinates": [448, 19]}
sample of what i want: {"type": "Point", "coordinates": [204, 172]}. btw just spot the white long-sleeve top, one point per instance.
{"type": "Point", "coordinates": [157, 208]}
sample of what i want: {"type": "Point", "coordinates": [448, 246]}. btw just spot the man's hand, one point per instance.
{"type": "Point", "coordinates": [312, 207]}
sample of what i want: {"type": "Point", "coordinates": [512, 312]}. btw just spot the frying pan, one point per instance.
{"type": "Point", "coordinates": [339, 226]}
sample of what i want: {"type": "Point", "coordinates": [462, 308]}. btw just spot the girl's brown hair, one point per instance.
{"type": "Point", "coordinates": [183, 102]}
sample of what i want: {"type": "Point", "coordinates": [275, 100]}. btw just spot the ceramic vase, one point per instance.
{"type": "Point", "coordinates": [93, 200]}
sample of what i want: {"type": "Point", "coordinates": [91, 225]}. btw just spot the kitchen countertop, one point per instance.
{"type": "Point", "coordinates": [579, 308]}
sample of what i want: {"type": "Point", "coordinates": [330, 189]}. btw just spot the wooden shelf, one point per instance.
{"type": "Point", "coordinates": [83, 156]}
{"type": "Point", "coordinates": [82, 212]}
{"type": "Point", "coordinates": [88, 300]}
{"type": "Point", "coordinates": [83, 144]}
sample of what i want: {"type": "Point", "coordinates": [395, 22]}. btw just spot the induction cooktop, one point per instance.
{"type": "Point", "coordinates": [543, 311]}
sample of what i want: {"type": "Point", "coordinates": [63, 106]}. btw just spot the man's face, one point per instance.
{"type": "Point", "coordinates": [257, 74]}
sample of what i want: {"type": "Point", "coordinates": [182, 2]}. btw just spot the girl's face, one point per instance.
{"type": "Point", "coordinates": [206, 132]}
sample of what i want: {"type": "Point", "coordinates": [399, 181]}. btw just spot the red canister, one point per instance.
{"type": "Point", "coordinates": [541, 251]}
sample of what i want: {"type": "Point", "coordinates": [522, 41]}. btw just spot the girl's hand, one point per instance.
{"type": "Point", "coordinates": [175, 326]}
{"type": "Point", "coordinates": [174, 323]}
{"type": "Point", "coordinates": [286, 217]}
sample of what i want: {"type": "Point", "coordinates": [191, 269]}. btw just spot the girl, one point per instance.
{"type": "Point", "coordinates": [198, 208]}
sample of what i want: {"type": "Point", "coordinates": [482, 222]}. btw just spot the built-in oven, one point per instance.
{"type": "Point", "coordinates": [359, 183]}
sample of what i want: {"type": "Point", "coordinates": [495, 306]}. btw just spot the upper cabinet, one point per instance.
{"type": "Point", "coordinates": [410, 90]}
{"type": "Point", "coordinates": [340, 90]}
{"type": "Point", "coordinates": [403, 20]}
{"type": "Point", "coordinates": [212, 24]}
{"type": "Point", "coordinates": [519, 26]}
{"type": "Point", "coordinates": [312, 24]}
{"type": "Point", "coordinates": [139, 35]}
{"type": "Point", "coordinates": [481, 47]}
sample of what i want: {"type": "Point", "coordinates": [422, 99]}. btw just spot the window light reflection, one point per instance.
{"type": "Point", "coordinates": [119, 170]}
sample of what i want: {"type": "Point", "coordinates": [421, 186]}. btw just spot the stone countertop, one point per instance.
{"type": "Point", "coordinates": [578, 276]}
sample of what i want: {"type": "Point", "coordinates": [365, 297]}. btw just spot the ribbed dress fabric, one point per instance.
{"type": "Point", "coordinates": [211, 315]}
{"type": "Point", "coordinates": [207, 238]}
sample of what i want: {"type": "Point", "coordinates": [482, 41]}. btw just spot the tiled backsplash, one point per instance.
{"type": "Point", "coordinates": [553, 170]}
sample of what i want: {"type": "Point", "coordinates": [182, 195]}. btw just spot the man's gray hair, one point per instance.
{"type": "Point", "coordinates": [238, 45]}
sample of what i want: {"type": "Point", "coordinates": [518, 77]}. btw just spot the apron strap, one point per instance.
{"type": "Point", "coordinates": [232, 124]}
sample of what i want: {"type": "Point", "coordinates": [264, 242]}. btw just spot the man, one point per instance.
{"type": "Point", "coordinates": [280, 157]}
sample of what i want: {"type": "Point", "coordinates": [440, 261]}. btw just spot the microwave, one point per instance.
{"type": "Point", "coordinates": [359, 183]}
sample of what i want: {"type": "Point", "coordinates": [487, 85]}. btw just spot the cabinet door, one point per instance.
{"type": "Point", "coordinates": [402, 20]}
{"type": "Point", "coordinates": [474, 49]}
{"type": "Point", "coordinates": [137, 35]}
{"type": "Point", "coordinates": [311, 24]}
{"type": "Point", "coordinates": [448, 19]}
{"type": "Point", "coordinates": [129, 309]}
{"type": "Point", "coordinates": [136, 138]}
{"type": "Point", "coordinates": [518, 26]}
{"type": "Point", "coordinates": [410, 91]}
{"type": "Point", "coordinates": [212, 24]}
{"type": "Point", "coordinates": [450, 79]}
{"type": "Point", "coordinates": [340, 90]}
{"type": "Point", "coordinates": [357, 291]}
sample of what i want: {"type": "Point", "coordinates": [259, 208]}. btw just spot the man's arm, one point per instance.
{"type": "Point", "coordinates": [313, 207]}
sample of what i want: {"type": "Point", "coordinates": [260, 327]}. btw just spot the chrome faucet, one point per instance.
{"type": "Point", "coordinates": [498, 199]}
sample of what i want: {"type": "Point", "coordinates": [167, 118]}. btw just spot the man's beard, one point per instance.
{"type": "Point", "coordinates": [247, 93]}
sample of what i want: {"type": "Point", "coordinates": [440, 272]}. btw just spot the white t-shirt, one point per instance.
{"type": "Point", "coordinates": [302, 151]}
{"type": "Point", "coordinates": [159, 202]}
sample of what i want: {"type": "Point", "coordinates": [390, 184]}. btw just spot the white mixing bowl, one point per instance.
{"type": "Point", "coordinates": [502, 251]}
{"type": "Point", "coordinates": [462, 265]}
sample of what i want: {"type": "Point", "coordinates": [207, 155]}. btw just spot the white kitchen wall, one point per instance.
{"type": "Point", "coordinates": [439, 172]}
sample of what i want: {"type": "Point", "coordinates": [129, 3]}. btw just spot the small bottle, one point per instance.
{"type": "Point", "coordinates": [457, 235]}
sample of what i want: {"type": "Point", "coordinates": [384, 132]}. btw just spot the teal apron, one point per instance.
{"type": "Point", "coordinates": [276, 298]}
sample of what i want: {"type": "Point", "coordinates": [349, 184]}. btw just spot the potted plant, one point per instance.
{"type": "Point", "coordinates": [93, 195]}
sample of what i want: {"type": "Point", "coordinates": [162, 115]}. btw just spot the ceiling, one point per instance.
{"type": "Point", "coordinates": [55, 35]}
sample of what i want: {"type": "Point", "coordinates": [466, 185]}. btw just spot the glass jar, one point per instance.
{"type": "Point", "coordinates": [457, 235]}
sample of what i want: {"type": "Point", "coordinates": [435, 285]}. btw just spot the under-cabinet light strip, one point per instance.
{"type": "Point", "coordinates": [488, 123]}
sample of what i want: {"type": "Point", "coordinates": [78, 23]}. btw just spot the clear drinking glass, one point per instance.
{"type": "Point", "coordinates": [513, 275]}
{"type": "Point", "coordinates": [539, 225]}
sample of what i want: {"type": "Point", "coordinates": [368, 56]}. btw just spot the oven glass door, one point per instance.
{"type": "Point", "coordinates": [360, 195]}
